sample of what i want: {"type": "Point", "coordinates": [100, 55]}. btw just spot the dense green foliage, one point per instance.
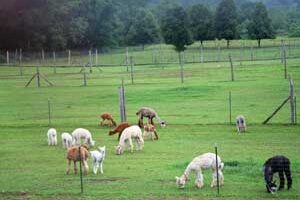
{"type": "Point", "coordinates": [175, 28]}
{"type": "Point", "coordinates": [197, 116]}
{"type": "Point", "coordinates": [260, 24]}
{"type": "Point", "coordinates": [78, 24]}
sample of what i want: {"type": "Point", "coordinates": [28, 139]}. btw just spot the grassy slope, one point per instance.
{"type": "Point", "coordinates": [197, 117]}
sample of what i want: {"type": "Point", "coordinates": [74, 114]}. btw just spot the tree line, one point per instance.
{"type": "Point", "coordinates": [75, 24]}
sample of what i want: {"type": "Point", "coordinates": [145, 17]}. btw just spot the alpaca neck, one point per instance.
{"type": "Point", "coordinates": [158, 118]}
{"type": "Point", "coordinates": [268, 174]}
{"type": "Point", "coordinates": [187, 172]}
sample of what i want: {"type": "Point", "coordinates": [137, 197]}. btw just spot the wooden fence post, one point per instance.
{"type": "Point", "coordinates": [96, 57]}
{"type": "Point", "coordinates": [90, 60]}
{"type": "Point", "coordinates": [284, 62]}
{"type": "Point", "coordinates": [38, 76]}
{"type": "Point", "coordinates": [20, 62]}
{"type": "Point", "coordinates": [84, 75]}
{"type": "Point", "coordinates": [231, 68]}
{"type": "Point", "coordinates": [292, 100]}
{"type": "Point", "coordinates": [122, 102]}
{"type": "Point", "coordinates": [181, 67]}
{"type": "Point", "coordinates": [201, 54]}
{"type": "Point", "coordinates": [69, 57]}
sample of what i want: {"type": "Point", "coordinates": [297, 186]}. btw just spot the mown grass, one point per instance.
{"type": "Point", "coordinates": [197, 115]}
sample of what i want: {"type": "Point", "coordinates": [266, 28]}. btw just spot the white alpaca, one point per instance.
{"type": "Point", "coordinates": [204, 161]}
{"type": "Point", "coordinates": [98, 158]}
{"type": "Point", "coordinates": [81, 133]}
{"type": "Point", "coordinates": [66, 139]}
{"type": "Point", "coordinates": [52, 136]}
{"type": "Point", "coordinates": [241, 123]}
{"type": "Point", "coordinates": [132, 132]}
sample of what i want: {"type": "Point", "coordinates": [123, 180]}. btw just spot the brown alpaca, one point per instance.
{"type": "Point", "coordinates": [74, 155]}
{"type": "Point", "coordinates": [119, 129]}
{"type": "Point", "coordinates": [150, 129]}
{"type": "Point", "coordinates": [108, 117]}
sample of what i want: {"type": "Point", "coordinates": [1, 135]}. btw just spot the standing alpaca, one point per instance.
{"type": "Point", "coordinates": [98, 158]}
{"type": "Point", "coordinates": [52, 136]}
{"type": "Point", "coordinates": [149, 129]}
{"type": "Point", "coordinates": [150, 114]}
{"type": "Point", "coordinates": [204, 161]}
{"type": "Point", "coordinates": [241, 123]}
{"type": "Point", "coordinates": [280, 164]}
{"type": "Point", "coordinates": [119, 129]}
{"type": "Point", "coordinates": [66, 139]}
{"type": "Point", "coordinates": [105, 116]}
{"type": "Point", "coordinates": [81, 133]}
{"type": "Point", "coordinates": [75, 154]}
{"type": "Point", "coordinates": [132, 132]}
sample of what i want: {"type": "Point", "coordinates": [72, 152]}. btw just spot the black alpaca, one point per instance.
{"type": "Point", "coordinates": [280, 164]}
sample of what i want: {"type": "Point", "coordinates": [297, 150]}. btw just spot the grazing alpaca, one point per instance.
{"type": "Point", "coordinates": [107, 117]}
{"type": "Point", "coordinates": [150, 114]}
{"type": "Point", "coordinates": [66, 139]}
{"type": "Point", "coordinates": [81, 133]}
{"type": "Point", "coordinates": [241, 123]}
{"type": "Point", "coordinates": [204, 161]}
{"type": "Point", "coordinates": [132, 132]}
{"type": "Point", "coordinates": [119, 129]}
{"type": "Point", "coordinates": [52, 137]}
{"type": "Point", "coordinates": [98, 158]}
{"type": "Point", "coordinates": [280, 164]}
{"type": "Point", "coordinates": [78, 153]}
{"type": "Point", "coordinates": [149, 129]}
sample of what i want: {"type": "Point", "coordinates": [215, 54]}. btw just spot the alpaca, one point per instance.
{"type": "Point", "coordinates": [241, 123]}
{"type": "Point", "coordinates": [98, 158]}
{"type": "Point", "coordinates": [77, 153]}
{"type": "Point", "coordinates": [52, 136]}
{"type": "Point", "coordinates": [131, 132]}
{"type": "Point", "coordinates": [149, 129]}
{"type": "Point", "coordinates": [105, 116]}
{"type": "Point", "coordinates": [81, 133]}
{"type": "Point", "coordinates": [280, 164]}
{"type": "Point", "coordinates": [66, 139]}
{"type": "Point", "coordinates": [150, 114]}
{"type": "Point", "coordinates": [119, 129]}
{"type": "Point", "coordinates": [204, 161]}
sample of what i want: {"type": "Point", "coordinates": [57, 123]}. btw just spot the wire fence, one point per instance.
{"type": "Point", "coordinates": [212, 51]}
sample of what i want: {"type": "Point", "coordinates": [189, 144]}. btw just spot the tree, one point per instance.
{"type": "Point", "coordinates": [260, 26]}
{"type": "Point", "coordinates": [202, 25]}
{"type": "Point", "coordinates": [144, 29]}
{"type": "Point", "coordinates": [175, 28]}
{"type": "Point", "coordinates": [226, 21]}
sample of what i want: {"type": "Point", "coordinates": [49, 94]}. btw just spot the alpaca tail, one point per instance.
{"type": "Point", "coordinates": [112, 132]}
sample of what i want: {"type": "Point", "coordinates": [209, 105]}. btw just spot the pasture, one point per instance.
{"type": "Point", "coordinates": [197, 117]}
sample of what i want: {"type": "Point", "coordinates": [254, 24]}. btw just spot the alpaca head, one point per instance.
{"type": "Point", "coordinates": [240, 123]}
{"type": "Point", "coordinates": [119, 150]}
{"type": "Point", "coordinates": [271, 187]}
{"type": "Point", "coordinates": [90, 142]}
{"type": "Point", "coordinates": [101, 149]}
{"type": "Point", "coordinates": [181, 181]}
{"type": "Point", "coordinates": [162, 124]}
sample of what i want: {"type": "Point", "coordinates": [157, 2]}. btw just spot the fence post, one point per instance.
{"type": "Point", "coordinates": [7, 57]}
{"type": "Point", "coordinates": [96, 57]}
{"type": "Point", "coordinates": [131, 69]}
{"type": "Point", "coordinates": [90, 60]}
{"type": "Point", "coordinates": [49, 113]}
{"type": "Point", "coordinates": [181, 66]}
{"type": "Point", "coordinates": [54, 60]}
{"type": "Point", "coordinates": [292, 100]}
{"type": "Point", "coordinates": [201, 51]}
{"type": "Point", "coordinates": [285, 65]}
{"type": "Point", "coordinates": [230, 107]}
{"type": "Point", "coordinates": [127, 59]}
{"type": "Point", "coordinates": [84, 75]}
{"type": "Point", "coordinates": [122, 102]}
{"type": "Point", "coordinates": [217, 169]}
{"type": "Point", "coordinates": [38, 76]}
{"type": "Point", "coordinates": [80, 170]}
{"type": "Point", "coordinates": [251, 52]}
{"type": "Point", "coordinates": [231, 67]}
{"type": "Point", "coordinates": [69, 57]}
{"type": "Point", "coordinates": [20, 62]}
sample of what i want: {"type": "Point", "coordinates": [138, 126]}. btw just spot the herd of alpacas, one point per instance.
{"type": "Point", "coordinates": [80, 141]}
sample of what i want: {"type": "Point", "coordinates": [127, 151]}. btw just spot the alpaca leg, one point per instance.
{"type": "Point", "coordinates": [96, 165]}
{"type": "Point", "coordinates": [68, 166]}
{"type": "Point", "coordinates": [101, 167]}
{"type": "Point", "coordinates": [221, 177]}
{"type": "Point", "coordinates": [130, 144]}
{"type": "Point", "coordinates": [199, 179]}
{"type": "Point", "coordinates": [156, 135]}
{"type": "Point", "coordinates": [281, 177]}
{"type": "Point", "coordinates": [75, 167]}
{"type": "Point", "coordinates": [214, 179]}
{"type": "Point", "coordinates": [151, 121]}
{"type": "Point", "coordinates": [287, 172]}
{"type": "Point", "coordinates": [85, 167]}
{"type": "Point", "coordinates": [55, 141]}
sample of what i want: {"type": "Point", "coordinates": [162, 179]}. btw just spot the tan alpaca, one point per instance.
{"type": "Point", "coordinates": [149, 129]}
{"type": "Point", "coordinates": [75, 154]}
{"type": "Point", "coordinates": [105, 116]}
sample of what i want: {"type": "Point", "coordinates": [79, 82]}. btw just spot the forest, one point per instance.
{"type": "Point", "coordinates": [76, 24]}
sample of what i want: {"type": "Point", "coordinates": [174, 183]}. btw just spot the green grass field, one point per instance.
{"type": "Point", "coordinates": [197, 116]}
